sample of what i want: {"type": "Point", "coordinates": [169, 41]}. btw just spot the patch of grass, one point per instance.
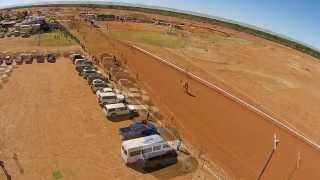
{"type": "Point", "coordinates": [152, 38]}
{"type": "Point", "coordinates": [57, 174]}
{"type": "Point", "coordinates": [54, 38]}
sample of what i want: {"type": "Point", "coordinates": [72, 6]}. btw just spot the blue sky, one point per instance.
{"type": "Point", "coordinates": [298, 19]}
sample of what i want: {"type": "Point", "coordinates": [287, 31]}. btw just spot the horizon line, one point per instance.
{"type": "Point", "coordinates": [97, 2]}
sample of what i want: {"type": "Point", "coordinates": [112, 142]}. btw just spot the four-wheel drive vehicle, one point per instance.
{"type": "Point", "coordinates": [146, 147]}
{"type": "Point", "coordinates": [107, 90]}
{"type": "Point", "coordinates": [116, 110]}
{"type": "Point", "coordinates": [51, 58]}
{"type": "Point", "coordinates": [19, 59]}
{"type": "Point", "coordinates": [94, 76]}
{"type": "Point", "coordinates": [27, 58]}
{"type": "Point", "coordinates": [79, 61]}
{"type": "Point", "coordinates": [85, 64]}
{"type": "Point", "coordinates": [87, 72]}
{"type": "Point", "coordinates": [8, 60]}
{"type": "Point", "coordinates": [137, 130]}
{"type": "Point", "coordinates": [73, 57]}
{"type": "Point", "coordinates": [103, 90]}
{"type": "Point", "coordinates": [110, 98]}
{"type": "Point", "coordinates": [98, 84]}
{"type": "Point", "coordinates": [40, 58]}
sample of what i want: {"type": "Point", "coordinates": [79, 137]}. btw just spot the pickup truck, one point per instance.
{"type": "Point", "coordinates": [137, 130]}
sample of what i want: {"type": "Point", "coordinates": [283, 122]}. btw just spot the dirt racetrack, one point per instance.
{"type": "Point", "coordinates": [236, 138]}
{"type": "Point", "coordinates": [52, 128]}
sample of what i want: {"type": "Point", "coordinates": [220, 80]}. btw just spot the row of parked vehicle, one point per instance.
{"type": "Point", "coordinates": [27, 58]}
{"type": "Point", "coordinates": [141, 142]}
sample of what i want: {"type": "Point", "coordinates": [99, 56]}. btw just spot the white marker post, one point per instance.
{"type": "Point", "coordinates": [275, 144]}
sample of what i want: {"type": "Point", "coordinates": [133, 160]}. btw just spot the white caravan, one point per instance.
{"type": "Point", "coordinates": [144, 148]}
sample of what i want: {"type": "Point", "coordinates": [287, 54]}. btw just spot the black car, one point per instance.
{"type": "Point", "coordinates": [51, 58]}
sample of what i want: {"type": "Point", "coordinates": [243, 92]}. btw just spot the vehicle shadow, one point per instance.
{"type": "Point", "coordinates": [120, 118]}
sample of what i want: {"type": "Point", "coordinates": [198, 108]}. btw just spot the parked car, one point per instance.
{"type": "Point", "coordinates": [40, 58]}
{"type": "Point", "coordinates": [19, 59]}
{"type": "Point", "coordinates": [79, 61]}
{"type": "Point", "coordinates": [8, 60]}
{"type": "Point", "coordinates": [87, 72]}
{"type": "Point", "coordinates": [98, 84]}
{"type": "Point", "coordinates": [113, 111]}
{"type": "Point", "coordinates": [147, 147]}
{"type": "Point", "coordinates": [137, 130]}
{"type": "Point", "coordinates": [51, 58]}
{"type": "Point", "coordinates": [94, 76]}
{"type": "Point", "coordinates": [16, 33]}
{"type": "Point", "coordinates": [28, 58]}
{"type": "Point", "coordinates": [83, 65]}
{"type": "Point", "coordinates": [103, 90]}
{"type": "Point", "coordinates": [106, 90]}
{"type": "Point", "coordinates": [110, 98]}
{"type": "Point", "coordinates": [73, 57]}
{"type": "Point", "coordinates": [1, 61]}
{"type": "Point", "coordinates": [9, 34]}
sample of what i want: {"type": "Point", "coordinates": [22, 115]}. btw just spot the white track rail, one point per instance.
{"type": "Point", "coordinates": [237, 99]}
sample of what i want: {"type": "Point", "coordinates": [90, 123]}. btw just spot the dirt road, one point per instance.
{"type": "Point", "coordinates": [230, 134]}
{"type": "Point", "coordinates": [53, 128]}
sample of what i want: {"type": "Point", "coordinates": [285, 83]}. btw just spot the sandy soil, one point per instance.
{"type": "Point", "coordinates": [52, 126]}
{"type": "Point", "coordinates": [236, 138]}
{"type": "Point", "coordinates": [279, 80]}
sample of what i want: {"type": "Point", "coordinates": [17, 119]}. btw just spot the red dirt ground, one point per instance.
{"type": "Point", "coordinates": [231, 135]}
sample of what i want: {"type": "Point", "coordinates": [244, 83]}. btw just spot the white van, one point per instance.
{"type": "Point", "coordinates": [115, 110]}
{"type": "Point", "coordinates": [144, 148]}
{"type": "Point", "coordinates": [110, 98]}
